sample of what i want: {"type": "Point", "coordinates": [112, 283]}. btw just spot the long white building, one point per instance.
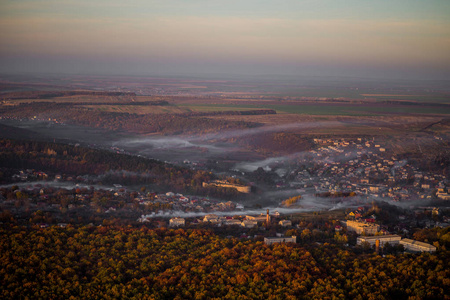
{"type": "Point", "coordinates": [392, 239]}
{"type": "Point", "coordinates": [410, 245]}
{"type": "Point", "coordinates": [416, 246]}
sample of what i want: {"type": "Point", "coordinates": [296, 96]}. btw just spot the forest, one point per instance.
{"type": "Point", "coordinates": [140, 263]}
{"type": "Point", "coordinates": [71, 161]}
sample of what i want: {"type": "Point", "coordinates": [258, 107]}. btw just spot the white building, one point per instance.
{"type": "Point", "coordinates": [392, 239]}
{"type": "Point", "coordinates": [416, 246]}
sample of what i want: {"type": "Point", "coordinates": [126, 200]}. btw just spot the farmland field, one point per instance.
{"type": "Point", "coordinates": [324, 108]}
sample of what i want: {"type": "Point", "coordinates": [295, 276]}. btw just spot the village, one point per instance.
{"type": "Point", "coordinates": [364, 168]}
{"type": "Point", "coordinates": [369, 226]}
{"type": "Point", "coordinates": [338, 169]}
{"type": "Point", "coordinates": [357, 173]}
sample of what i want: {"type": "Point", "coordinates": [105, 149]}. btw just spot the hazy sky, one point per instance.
{"type": "Point", "coordinates": [374, 38]}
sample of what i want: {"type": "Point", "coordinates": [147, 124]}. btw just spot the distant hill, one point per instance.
{"type": "Point", "coordinates": [10, 132]}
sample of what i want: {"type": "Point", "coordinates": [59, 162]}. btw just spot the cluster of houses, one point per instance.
{"type": "Point", "coordinates": [180, 202]}
{"type": "Point", "coordinates": [365, 168]}
{"type": "Point", "coordinates": [29, 174]}
{"type": "Point", "coordinates": [243, 221]}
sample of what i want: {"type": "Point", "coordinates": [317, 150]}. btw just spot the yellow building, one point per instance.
{"type": "Point", "coordinates": [362, 227]}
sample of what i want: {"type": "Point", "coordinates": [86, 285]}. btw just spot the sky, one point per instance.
{"type": "Point", "coordinates": [360, 38]}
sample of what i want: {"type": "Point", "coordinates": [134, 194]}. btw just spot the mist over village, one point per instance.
{"type": "Point", "coordinates": [224, 149]}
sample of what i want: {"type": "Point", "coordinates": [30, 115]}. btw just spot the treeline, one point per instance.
{"type": "Point", "coordinates": [336, 194]}
{"type": "Point", "coordinates": [233, 112]}
{"type": "Point", "coordinates": [401, 102]}
{"type": "Point", "coordinates": [131, 263]}
{"type": "Point", "coordinates": [291, 201]}
{"type": "Point", "coordinates": [108, 166]}
{"type": "Point", "coordinates": [54, 94]}
{"type": "Point", "coordinates": [128, 103]}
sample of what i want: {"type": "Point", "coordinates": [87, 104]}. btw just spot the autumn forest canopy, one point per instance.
{"type": "Point", "coordinates": [142, 263]}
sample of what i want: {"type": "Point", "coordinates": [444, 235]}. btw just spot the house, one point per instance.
{"type": "Point", "coordinates": [210, 217]}
{"type": "Point", "coordinates": [175, 222]}
{"type": "Point", "coordinates": [443, 196]}
{"type": "Point", "coordinates": [217, 221]}
{"type": "Point", "coordinates": [285, 223]}
{"type": "Point", "coordinates": [249, 223]}
{"type": "Point", "coordinates": [232, 222]}
{"type": "Point", "coordinates": [374, 189]}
